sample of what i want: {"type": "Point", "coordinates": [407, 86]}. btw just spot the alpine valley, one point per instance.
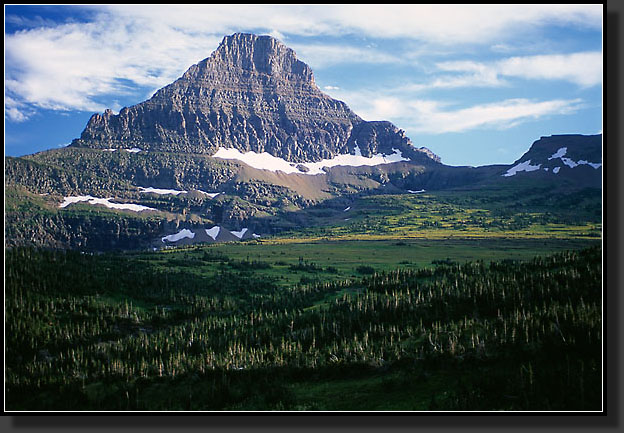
{"type": "Point", "coordinates": [271, 250]}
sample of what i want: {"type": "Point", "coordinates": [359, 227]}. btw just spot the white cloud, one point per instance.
{"type": "Point", "coordinates": [15, 114]}
{"type": "Point", "coordinates": [452, 24]}
{"type": "Point", "coordinates": [16, 111]}
{"type": "Point", "coordinates": [323, 55]}
{"type": "Point", "coordinates": [583, 69]}
{"type": "Point", "coordinates": [430, 117]}
{"type": "Point", "coordinates": [478, 75]}
{"type": "Point", "coordinates": [435, 117]}
{"type": "Point", "coordinates": [80, 65]}
{"type": "Point", "coordinates": [72, 66]}
{"type": "Point", "coordinates": [448, 24]}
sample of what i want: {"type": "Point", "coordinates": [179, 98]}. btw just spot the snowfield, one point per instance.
{"type": "Point", "coordinates": [558, 154]}
{"type": "Point", "coordinates": [104, 201]}
{"type": "Point", "coordinates": [266, 161]}
{"type": "Point", "coordinates": [523, 166]}
{"type": "Point", "coordinates": [569, 162]}
{"type": "Point", "coordinates": [161, 191]}
{"type": "Point", "coordinates": [213, 232]}
{"type": "Point", "coordinates": [239, 234]}
{"type": "Point", "coordinates": [210, 194]}
{"type": "Point", "coordinates": [184, 233]}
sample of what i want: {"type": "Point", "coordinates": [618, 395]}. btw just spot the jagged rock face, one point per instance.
{"type": "Point", "coordinates": [252, 93]}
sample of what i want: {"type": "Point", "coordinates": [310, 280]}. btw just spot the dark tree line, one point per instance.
{"type": "Point", "coordinates": [118, 332]}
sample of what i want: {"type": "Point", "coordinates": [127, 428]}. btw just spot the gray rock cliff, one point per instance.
{"type": "Point", "coordinates": [252, 93]}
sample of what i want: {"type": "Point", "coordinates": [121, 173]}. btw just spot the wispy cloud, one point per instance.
{"type": "Point", "coordinates": [83, 65]}
{"type": "Point", "coordinates": [583, 69]}
{"type": "Point", "coordinates": [430, 117]}
{"type": "Point", "coordinates": [16, 111]}
{"type": "Point", "coordinates": [323, 55]}
{"type": "Point", "coordinates": [72, 66]}
{"type": "Point", "coordinates": [436, 117]}
{"type": "Point", "coordinates": [440, 23]}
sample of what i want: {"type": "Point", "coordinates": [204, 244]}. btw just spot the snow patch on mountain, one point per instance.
{"type": "Point", "coordinates": [266, 161]}
{"type": "Point", "coordinates": [523, 166]}
{"type": "Point", "coordinates": [558, 154]}
{"type": "Point", "coordinates": [570, 162]}
{"type": "Point", "coordinates": [213, 232]}
{"type": "Point", "coordinates": [162, 191]}
{"type": "Point", "coordinates": [184, 233]}
{"type": "Point", "coordinates": [239, 234]}
{"type": "Point", "coordinates": [210, 194]}
{"type": "Point", "coordinates": [103, 201]}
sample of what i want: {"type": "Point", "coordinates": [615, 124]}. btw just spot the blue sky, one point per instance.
{"type": "Point", "coordinates": [475, 84]}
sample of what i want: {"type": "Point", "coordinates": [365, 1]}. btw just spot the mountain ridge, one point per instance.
{"type": "Point", "coordinates": [251, 94]}
{"type": "Point", "coordinates": [245, 139]}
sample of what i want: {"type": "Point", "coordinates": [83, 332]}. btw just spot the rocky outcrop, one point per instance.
{"type": "Point", "coordinates": [252, 93]}
{"type": "Point", "coordinates": [574, 157]}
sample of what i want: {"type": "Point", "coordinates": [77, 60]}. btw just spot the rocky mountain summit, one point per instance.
{"type": "Point", "coordinates": [251, 94]}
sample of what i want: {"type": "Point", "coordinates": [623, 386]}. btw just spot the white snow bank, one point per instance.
{"type": "Point", "coordinates": [239, 234]}
{"type": "Point", "coordinates": [347, 209]}
{"type": "Point", "coordinates": [556, 170]}
{"type": "Point", "coordinates": [558, 154]}
{"type": "Point", "coordinates": [266, 161]}
{"type": "Point", "coordinates": [569, 162]}
{"type": "Point", "coordinates": [415, 192]}
{"type": "Point", "coordinates": [104, 201]}
{"type": "Point", "coordinates": [595, 165]}
{"type": "Point", "coordinates": [184, 233]}
{"type": "Point", "coordinates": [161, 191]}
{"type": "Point", "coordinates": [210, 194]}
{"type": "Point", "coordinates": [109, 150]}
{"type": "Point", "coordinates": [523, 166]}
{"type": "Point", "coordinates": [134, 150]}
{"type": "Point", "coordinates": [213, 232]}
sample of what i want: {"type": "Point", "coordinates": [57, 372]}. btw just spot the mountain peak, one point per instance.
{"type": "Point", "coordinates": [260, 54]}
{"type": "Point", "coordinates": [251, 94]}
